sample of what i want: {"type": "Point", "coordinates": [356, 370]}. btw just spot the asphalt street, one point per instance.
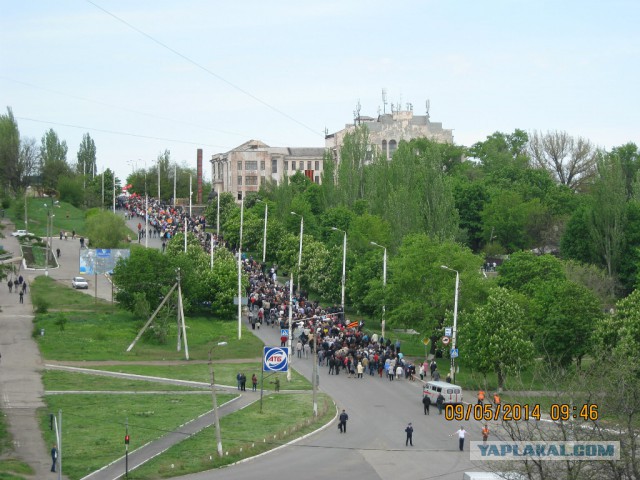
{"type": "Point", "coordinates": [379, 410]}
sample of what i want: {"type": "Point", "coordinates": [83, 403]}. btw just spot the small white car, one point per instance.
{"type": "Point", "coordinates": [79, 282]}
{"type": "Point", "coordinates": [21, 233]}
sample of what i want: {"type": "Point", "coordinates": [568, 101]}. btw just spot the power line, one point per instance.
{"type": "Point", "coordinates": [204, 69]}
{"type": "Point", "coordinates": [118, 107]}
{"type": "Point", "coordinates": [115, 132]}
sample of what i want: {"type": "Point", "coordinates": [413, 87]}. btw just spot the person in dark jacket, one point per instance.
{"type": "Point", "coordinates": [426, 402]}
{"type": "Point", "coordinates": [342, 426]}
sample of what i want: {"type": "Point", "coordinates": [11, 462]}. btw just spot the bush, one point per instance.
{"type": "Point", "coordinates": [40, 305]}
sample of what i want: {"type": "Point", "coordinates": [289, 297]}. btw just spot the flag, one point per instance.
{"type": "Point", "coordinates": [353, 325]}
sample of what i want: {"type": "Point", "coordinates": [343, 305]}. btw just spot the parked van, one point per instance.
{"type": "Point", "coordinates": [451, 393]}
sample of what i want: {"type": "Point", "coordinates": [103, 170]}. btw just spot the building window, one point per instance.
{"type": "Point", "coordinates": [251, 165]}
{"type": "Point", "coordinates": [274, 165]}
{"type": "Point", "coordinates": [251, 180]}
{"type": "Point", "coordinates": [239, 195]}
{"type": "Point", "coordinates": [293, 164]}
{"type": "Point", "coordinates": [263, 180]}
{"type": "Point", "coordinates": [239, 179]}
{"type": "Point", "coordinates": [239, 165]}
{"type": "Point", "coordinates": [384, 149]}
{"type": "Point", "coordinates": [317, 164]}
{"type": "Point", "coordinates": [317, 179]}
{"type": "Point", "coordinates": [393, 146]}
{"type": "Point", "coordinates": [308, 164]}
{"type": "Point", "coordinates": [262, 165]}
{"type": "Point", "coordinates": [286, 165]}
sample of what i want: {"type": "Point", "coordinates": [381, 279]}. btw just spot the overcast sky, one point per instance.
{"type": "Point", "coordinates": [144, 76]}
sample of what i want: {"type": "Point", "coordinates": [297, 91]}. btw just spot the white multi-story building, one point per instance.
{"type": "Point", "coordinates": [386, 131]}
{"type": "Point", "coordinates": [253, 163]}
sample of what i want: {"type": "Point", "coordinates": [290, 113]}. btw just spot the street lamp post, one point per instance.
{"type": "Point", "coordinates": [344, 265]}
{"type": "Point", "coordinates": [384, 283]}
{"type": "Point", "coordinates": [216, 419]}
{"type": "Point", "coordinates": [300, 253]}
{"type": "Point", "coordinates": [49, 235]}
{"type": "Point", "coordinates": [264, 235]}
{"type": "Point", "coordinates": [455, 321]}
{"type": "Point", "coordinates": [239, 269]}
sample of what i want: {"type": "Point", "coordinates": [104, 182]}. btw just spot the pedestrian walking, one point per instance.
{"type": "Point", "coordinates": [461, 432]}
{"type": "Point", "coordinates": [57, 252]}
{"type": "Point", "coordinates": [496, 399]}
{"type": "Point", "coordinates": [254, 382]}
{"type": "Point", "coordinates": [24, 287]}
{"type": "Point", "coordinates": [21, 296]}
{"type": "Point", "coordinates": [54, 458]}
{"type": "Point", "coordinates": [276, 382]}
{"type": "Point", "coordinates": [10, 285]}
{"type": "Point", "coordinates": [239, 379]}
{"type": "Point", "coordinates": [485, 433]}
{"type": "Point", "coordinates": [480, 397]}
{"type": "Point", "coordinates": [342, 425]}
{"type": "Point", "coordinates": [436, 375]}
{"type": "Point", "coordinates": [426, 402]}
{"type": "Point", "coordinates": [243, 382]}
{"type": "Point", "coordinates": [440, 403]}
{"type": "Point", "coordinates": [409, 431]}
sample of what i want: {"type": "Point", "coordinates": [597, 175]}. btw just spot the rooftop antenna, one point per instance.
{"type": "Point", "coordinates": [356, 113]}
{"type": "Point", "coordinates": [427, 106]}
{"type": "Point", "coordinates": [326, 131]}
{"type": "Point", "coordinates": [384, 101]}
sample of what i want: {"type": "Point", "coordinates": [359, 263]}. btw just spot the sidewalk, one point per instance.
{"type": "Point", "coordinates": [20, 368]}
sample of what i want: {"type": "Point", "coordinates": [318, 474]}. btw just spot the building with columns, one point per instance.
{"type": "Point", "coordinates": [246, 167]}
{"type": "Point", "coordinates": [386, 131]}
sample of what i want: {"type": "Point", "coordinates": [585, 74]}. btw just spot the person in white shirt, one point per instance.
{"type": "Point", "coordinates": [461, 433]}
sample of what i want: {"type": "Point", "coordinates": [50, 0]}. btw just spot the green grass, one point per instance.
{"type": "Point", "coordinates": [11, 469]}
{"type": "Point", "coordinates": [67, 217]}
{"type": "Point", "coordinates": [225, 373]}
{"type": "Point", "coordinates": [244, 433]}
{"type": "Point", "coordinates": [61, 380]}
{"type": "Point", "coordinates": [94, 425]}
{"type": "Point", "coordinates": [99, 331]}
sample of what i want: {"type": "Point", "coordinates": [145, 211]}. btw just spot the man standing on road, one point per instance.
{"type": "Point", "coordinates": [440, 403]}
{"type": "Point", "coordinates": [409, 431]}
{"type": "Point", "coordinates": [426, 402]}
{"type": "Point", "coordinates": [342, 426]}
{"type": "Point", "coordinates": [54, 458]}
{"type": "Point", "coordinates": [461, 433]}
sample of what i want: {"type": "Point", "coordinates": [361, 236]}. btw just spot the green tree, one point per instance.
{"type": "Point", "coordinates": [146, 271]}
{"type": "Point", "coordinates": [9, 151]}
{"type": "Point", "coordinates": [525, 270]}
{"type": "Point", "coordinates": [106, 230]}
{"type": "Point", "coordinates": [351, 165]}
{"type": "Point", "coordinates": [608, 209]}
{"type": "Point", "coordinates": [494, 337]}
{"type": "Point", "coordinates": [86, 156]}
{"type": "Point", "coordinates": [53, 159]}
{"type": "Point", "coordinates": [70, 190]}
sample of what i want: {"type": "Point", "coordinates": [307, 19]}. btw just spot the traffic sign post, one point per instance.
{"type": "Point", "coordinates": [448, 331]}
{"type": "Point", "coordinates": [445, 340]}
{"type": "Point", "coordinates": [454, 353]}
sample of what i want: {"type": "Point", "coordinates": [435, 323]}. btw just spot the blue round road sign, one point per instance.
{"type": "Point", "coordinates": [276, 359]}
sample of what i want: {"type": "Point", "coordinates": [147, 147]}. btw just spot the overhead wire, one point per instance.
{"type": "Point", "coordinates": [204, 69]}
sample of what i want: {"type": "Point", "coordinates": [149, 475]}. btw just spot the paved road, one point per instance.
{"type": "Point", "coordinates": [378, 409]}
{"type": "Point", "coordinates": [374, 446]}
{"type": "Point", "coordinates": [20, 367]}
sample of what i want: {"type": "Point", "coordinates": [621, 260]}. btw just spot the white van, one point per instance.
{"type": "Point", "coordinates": [451, 393]}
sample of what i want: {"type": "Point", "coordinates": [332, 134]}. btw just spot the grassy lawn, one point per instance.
{"type": "Point", "coordinates": [98, 331]}
{"type": "Point", "coordinates": [67, 217]}
{"type": "Point", "coordinates": [244, 433]}
{"type": "Point", "coordinates": [225, 373]}
{"type": "Point", "coordinates": [62, 381]}
{"type": "Point", "coordinates": [94, 425]}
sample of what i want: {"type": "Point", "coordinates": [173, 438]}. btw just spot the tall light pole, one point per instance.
{"type": "Point", "coordinates": [158, 179]}
{"type": "Point", "coordinates": [455, 321]}
{"type": "Point", "coordinates": [384, 283]}
{"type": "Point", "coordinates": [49, 234]}
{"type": "Point", "coordinates": [216, 419]}
{"type": "Point", "coordinates": [300, 253]}
{"type": "Point", "coordinates": [239, 268]}
{"type": "Point", "coordinates": [175, 170]}
{"type": "Point", "coordinates": [344, 265]}
{"type": "Point", "coordinates": [264, 235]}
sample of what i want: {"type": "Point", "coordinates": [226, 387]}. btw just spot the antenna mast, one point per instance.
{"type": "Point", "coordinates": [384, 101]}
